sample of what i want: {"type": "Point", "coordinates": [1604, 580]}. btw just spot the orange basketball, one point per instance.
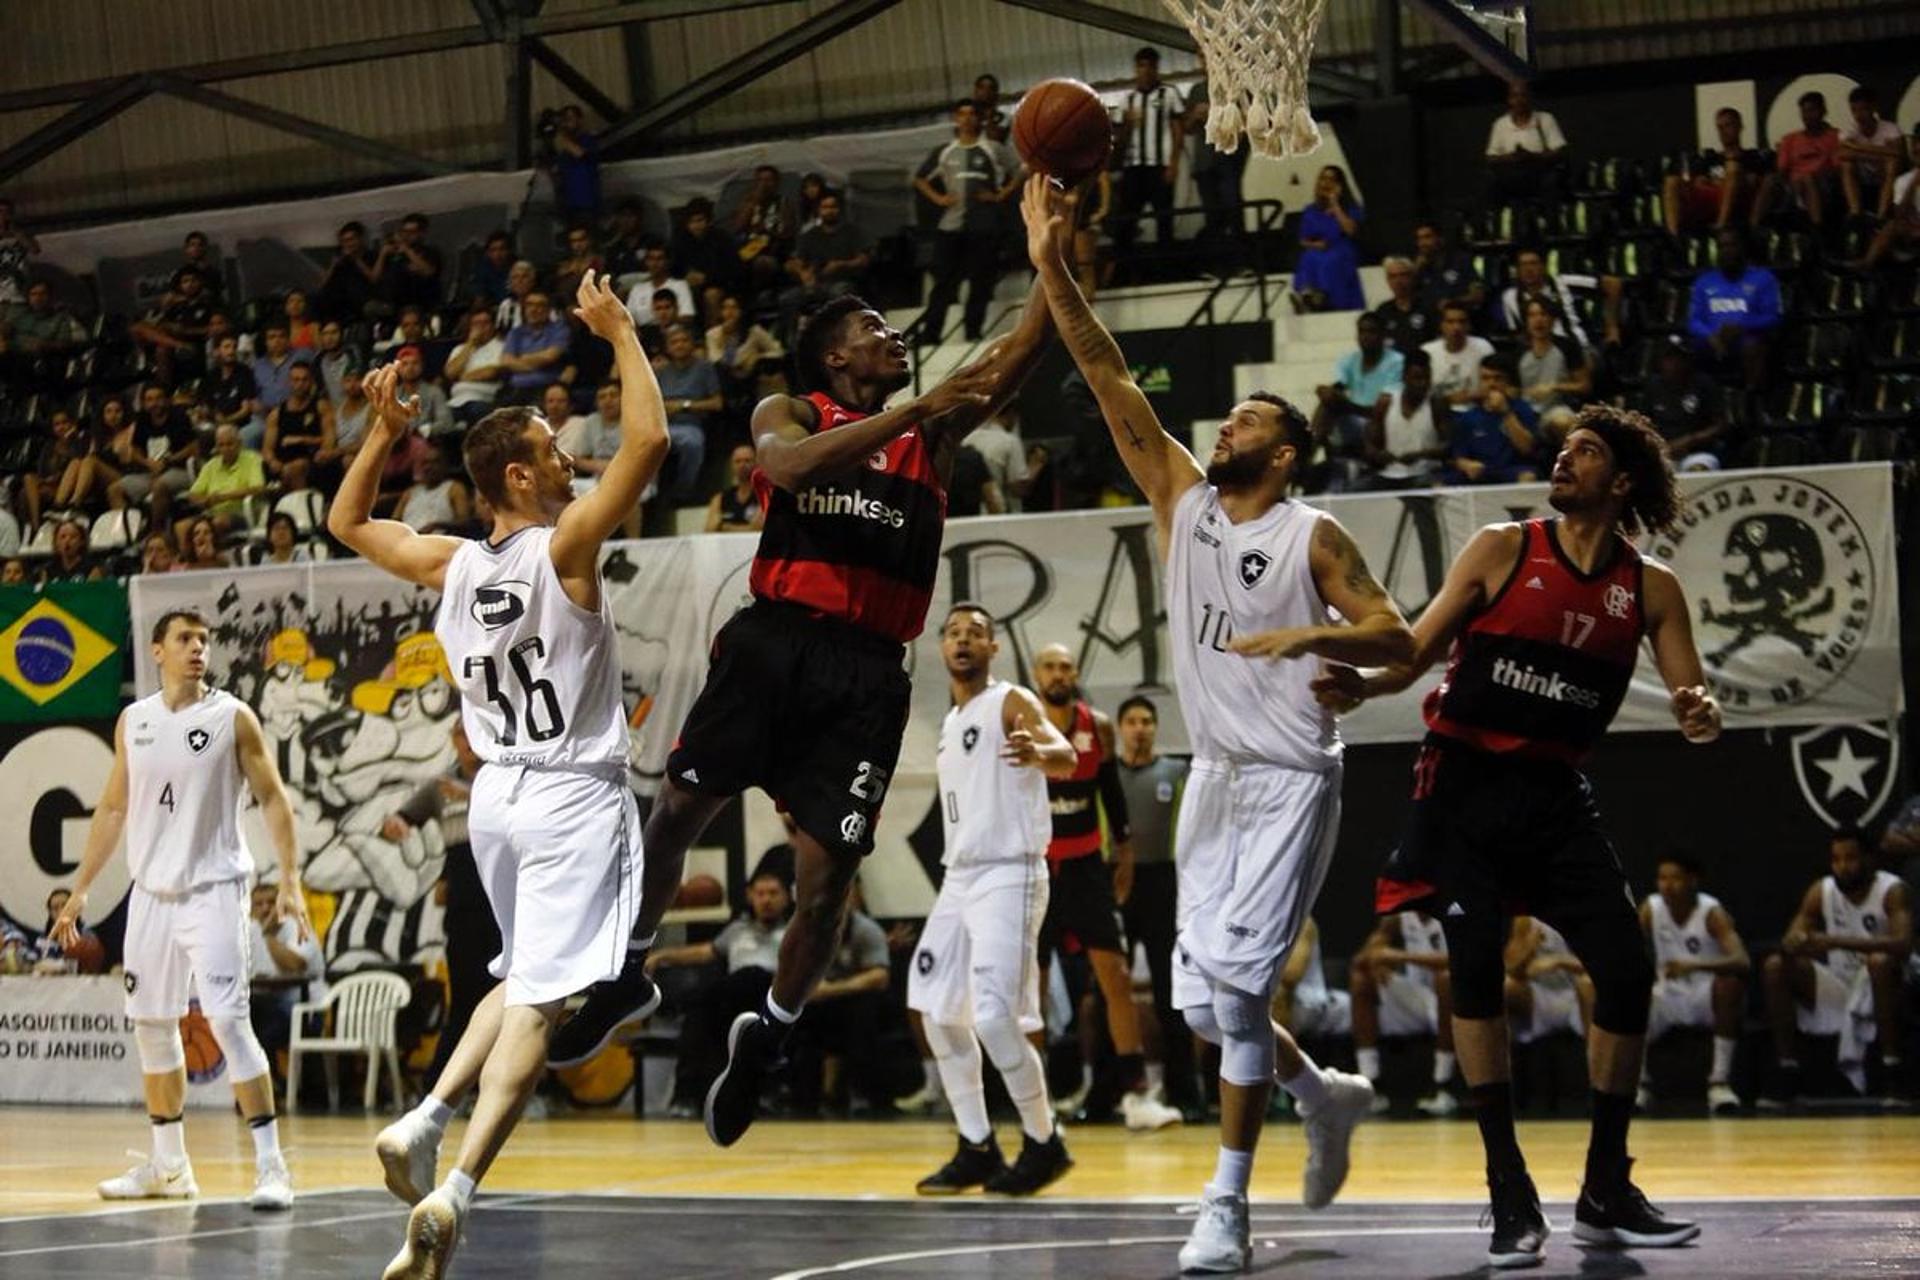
{"type": "Point", "coordinates": [1062, 130]}
{"type": "Point", "coordinates": [89, 953]}
{"type": "Point", "coordinates": [204, 1059]}
{"type": "Point", "coordinates": [700, 891]}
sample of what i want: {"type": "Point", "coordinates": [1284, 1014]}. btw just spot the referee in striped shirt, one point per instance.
{"type": "Point", "coordinates": [1149, 155]}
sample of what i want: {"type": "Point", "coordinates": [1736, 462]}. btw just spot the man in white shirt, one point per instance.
{"type": "Point", "coordinates": [286, 968]}
{"type": "Point", "coordinates": [999, 446]}
{"type": "Point", "coordinates": [1524, 148]}
{"type": "Point", "coordinates": [1871, 149]}
{"type": "Point", "coordinates": [659, 276]}
{"type": "Point", "coordinates": [474, 370]}
{"type": "Point", "coordinates": [1456, 355]}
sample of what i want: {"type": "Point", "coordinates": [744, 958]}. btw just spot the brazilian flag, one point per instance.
{"type": "Point", "coordinates": [60, 651]}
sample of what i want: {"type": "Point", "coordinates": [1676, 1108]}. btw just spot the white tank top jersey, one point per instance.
{"type": "Point", "coordinates": [539, 676]}
{"type": "Point", "coordinates": [1689, 941]}
{"type": "Point", "coordinates": [1552, 944]}
{"type": "Point", "coordinates": [991, 810]}
{"type": "Point", "coordinates": [1404, 434]}
{"type": "Point", "coordinates": [1421, 938]}
{"type": "Point", "coordinates": [184, 791]}
{"type": "Point", "coordinates": [1226, 580]}
{"type": "Point", "coordinates": [1845, 918]}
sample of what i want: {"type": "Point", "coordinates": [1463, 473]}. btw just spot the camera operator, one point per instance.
{"type": "Point", "coordinates": [571, 151]}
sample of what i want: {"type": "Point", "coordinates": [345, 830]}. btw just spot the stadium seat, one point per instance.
{"type": "Point", "coordinates": [1827, 296]}
{"type": "Point", "coordinates": [1900, 293]}
{"type": "Point", "coordinates": [1801, 406]}
{"type": "Point", "coordinates": [1500, 227]}
{"type": "Point", "coordinates": [1870, 444]}
{"type": "Point", "coordinates": [1606, 176]}
{"type": "Point", "coordinates": [1692, 255]}
{"type": "Point", "coordinates": [1784, 250]}
{"type": "Point", "coordinates": [1493, 267]}
{"type": "Point", "coordinates": [1778, 450]}
{"type": "Point", "coordinates": [1572, 258]}
{"type": "Point", "coordinates": [1576, 221]}
{"type": "Point", "coordinates": [307, 507]}
{"type": "Point", "coordinates": [363, 1008]}
{"type": "Point", "coordinates": [1667, 310]}
{"type": "Point", "coordinates": [1633, 259]}
{"type": "Point", "coordinates": [117, 530]}
{"type": "Point", "coordinates": [1818, 352]}
{"type": "Point", "coordinates": [1884, 399]}
{"type": "Point", "coordinates": [1895, 344]}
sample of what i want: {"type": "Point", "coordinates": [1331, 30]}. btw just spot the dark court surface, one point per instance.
{"type": "Point", "coordinates": [532, 1237]}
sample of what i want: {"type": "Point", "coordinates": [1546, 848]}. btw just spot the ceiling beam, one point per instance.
{"type": "Point", "coordinates": [575, 80]}
{"type": "Point", "coordinates": [399, 159]}
{"type": "Point", "coordinates": [1493, 56]}
{"type": "Point", "coordinates": [74, 125]}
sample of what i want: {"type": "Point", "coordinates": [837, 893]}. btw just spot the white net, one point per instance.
{"type": "Point", "coordinates": [1257, 54]}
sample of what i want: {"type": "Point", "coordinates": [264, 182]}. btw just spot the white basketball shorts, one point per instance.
{"type": "Point", "coordinates": [179, 945]}
{"type": "Point", "coordinates": [978, 952]}
{"type": "Point", "coordinates": [1680, 1002]}
{"type": "Point", "coordinates": [1408, 1007]}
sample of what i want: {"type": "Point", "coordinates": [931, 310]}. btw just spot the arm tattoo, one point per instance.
{"type": "Point", "coordinates": [1337, 543]}
{"type": "Point", "coordinates": [1133, 437]}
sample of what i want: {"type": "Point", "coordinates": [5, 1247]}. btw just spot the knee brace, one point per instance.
{"type": "Point", "coordinates": [1246, 1047]}
{"type": "Point", "coordinates": [246, 1060]}
{"type": "Point", "coordinates": [1477, 972]}
{"type": "Point", "coordinates": [1005, 1046]}
{"type": "Point", "coordinates": [158, 1042]}
{"type": "Point", "coordinates": [1200, 1022]}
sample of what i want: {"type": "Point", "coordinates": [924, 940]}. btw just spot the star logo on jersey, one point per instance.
{"type": "Point", "coordinates": [130, 981]}
{"type": "Point", "coordinates": [1693, 946]}
{"type": "Point", "coordinates": [197, 740]}
{"type": "Point", "coordinates": [1618, 601]}
{"type": "Point", "coordinates": [1253, 567]}
{"type": "Point", "coordinates": [969, 738]}
{"type": "Point", "coordinates": [48, 650]}
{"type": "Point", "coordinates": [500, 604]}
{"type": "Point", "coordinates": [923, 961]}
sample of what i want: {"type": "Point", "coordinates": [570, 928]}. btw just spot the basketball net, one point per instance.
{"type": "Point", "coordinates": [1257, 54]}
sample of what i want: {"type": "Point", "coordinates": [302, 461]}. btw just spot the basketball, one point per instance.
{"type": "Point", "coordinates": [89, 953]}
{"type": "Point", "coordinates": [700, 891]}
{"type": "Point", "coordinates": [204, 1059]}
{"type": "Point", "coordinates": [1062, 130]}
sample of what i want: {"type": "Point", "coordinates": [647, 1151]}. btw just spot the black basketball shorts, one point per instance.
{"type": "Point", "coordinates": [1080, 906]}
{"type": "Point", "coordinates": [808, 709]}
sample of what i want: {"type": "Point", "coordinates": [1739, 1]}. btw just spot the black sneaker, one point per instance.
{"type": "Point", "coordinates": [971, 1166]}
{"type": "Point", "coordinates": [1040, 1163]}
{"type": "Point", "coordinates": [1520, 1230]}
{"type": "Point", "coordinates": [1616, 1212]}
{"type": "Point", "coordinates": [1784, 1093]}
{"type": "Point", "coordinates": [612, 1006]}
{"type": "Point", "coordinates": [753, 1053]}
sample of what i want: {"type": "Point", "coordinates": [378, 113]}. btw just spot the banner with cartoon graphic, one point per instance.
{"type": "Point", "coordinates": [60, 651]}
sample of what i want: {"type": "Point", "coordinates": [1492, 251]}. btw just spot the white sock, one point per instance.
{"type": "Point", "coordinates": [1233, 1171]}
{"type": "Point", "coordinates": [1368, 1060]}
{"type": "Point", "coordinates": [1309, 1087]}
{"type": "Point", "coordinates": [1442, 1066]}
{"type": "Point", "coordinates": [433, 1113]}
{"type": "Point", "coordinates": [1890, 1061]}
{"type": "Point", "coordinates": [1722, 1059]}
{"type": "Point", "coordinates": [641, 944]}
{"type": "Point", "coordinates": [266, 1141]}
{"type": "Point", "coordinates": [777, 1014]}
{"type": "Point", "coordinates": [459, 1188]}
{"type": "Point", "coordinates": [170, 1143]}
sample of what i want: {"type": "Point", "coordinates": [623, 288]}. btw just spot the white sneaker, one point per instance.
{"type": "Point", "coordinates": [1722, 1100]}
{"type": "Point", "coordinates": [152, 1180]}
{"type": "Point", "coordinates": [1069, 1107]}
{"type": "Point", "coordinates": [273, 1185]}
{"type": "Point", "coordinates": [409, 1150]}
{"type": "Point", "coordinates": [1440, 1103]}
{"type": "Point", "coordinates": [1329, 1128]}
{"type": "Point", "coordinates": [432, 1233]}
{"type": "Point", "coordinates": [1221, 1240]}
{"type": "Point", "coordinates": [1642, 1098]}
{"type": "Point", "coordinates": [1144, 1113]}
{"type": "Point", "coordinates": [928, 1101]}
{"type": "Point", "coordinates": [1380, 1105]}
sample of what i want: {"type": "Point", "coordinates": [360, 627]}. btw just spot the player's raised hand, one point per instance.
{"type": "Point", "coordinates": [290, 903]}
{"type": "Point", "coordinates": [1020, 750]}
{"type": "Point", "coordinates": [969, 388]}
{"type": "Point", "coordinates": [1697, 713]}
{"type": "Point", "coordinates": [1286, 642]}
{"type": "Point", "coordinates": [66, 925]}
{"type": "Point", "coordinates": [381, 387]}
{"type": "Point", "coordinates": [1043, 206]}
{"type": "Point", "coordinates": [1339, 688]}
{"type": "Point", "coordinates": [600, 308]}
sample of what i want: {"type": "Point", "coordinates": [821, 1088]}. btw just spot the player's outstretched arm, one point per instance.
{"type": "Point", "coordinates": [103, 837]}
{"type": "Point", "coordinates": [416, 557]}
{"type": "Point", "coordinates": [794, 455]}
{"type": "Point", "coordinates": [1006, 363]}
{"type": "Point", "coordinates": [589, 521]}
{"type": "Point", "coordinates": [1032, 740]}
{"type": "Point", "coordinates": [1671, 631]}
{"type": "Point", "coordinates": [1158, 463]}
{"type": "Point", "coordinates": [263, 776]}
{"type": "Point", "coordinates": [1374, 635]}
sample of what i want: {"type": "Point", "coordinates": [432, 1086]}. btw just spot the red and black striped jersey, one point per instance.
{"type": "Point", "coordinates": [863, 546]}
{"type": "Point", "coordinates": [1075, 799]}
{"type": "Point", "coordinates": [1542, 669]}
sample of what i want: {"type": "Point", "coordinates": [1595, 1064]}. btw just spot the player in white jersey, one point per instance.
{"type": "Point", "coordinates": [528, 633]}
{"type": "Point", "coordinates": [1547, 988]}
{"type": "Point", "coordinates": [975, 976]}
{"type": "Point", "coordinates": [1839, 971]}
{"type": "Point", "coordinates": [1701, 969]}
{"type": "Point", "coordinates": [1400, 987]}
{"type": "Point", "coordinates": [1251, 579]}
{"type": "Point", "coordinates": [180, 758]}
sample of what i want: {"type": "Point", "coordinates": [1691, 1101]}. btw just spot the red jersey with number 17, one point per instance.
{"type": "Point", "coordinates": [862, 546]}
{"type": "Point", "coordinates": [1542, 669]}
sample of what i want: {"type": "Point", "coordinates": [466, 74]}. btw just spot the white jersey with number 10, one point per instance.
{"type": "Point", "coordinates": [539, 676]}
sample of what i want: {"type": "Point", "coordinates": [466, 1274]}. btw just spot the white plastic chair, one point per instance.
{"type": "Point", "coordinates": [364, 1008]}
{"type": "Point", "coordinates": [306, 506]}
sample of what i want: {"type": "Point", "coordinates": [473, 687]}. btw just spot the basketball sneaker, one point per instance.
{"type": "Point", "coordinates": [619, 1004]}
{"type": "Point", "coordinates": [432, 1233]}
{"type": "Point", "coordinates": [272, 1185]}
{"type": "Point", "coordinates": [409, 1149]}
{"type": "Point", "coordinates": [152, 1180]}
{"type": "Point", "coordinates": [1520, 1230]}
{"type": "Point", "coordinates": [1617, 1212]}
{"type": "Point", "coordinates": [753, 1053]}
{"type": "Point", "coordinates": [973, 1165]}
{"type": "Point", "coordinates": [1039, 1164]}
{"type": "Point", "coordinates": [1221, 1242]}
{"type": "Point", "coordinates": [1785, 1091]}
{"type": "Point", "coordinates": [1721, 1099]}
{"type": "Point", "coordinates": [1440, 1104]}
{"type": "Point", "coordinates": [1144, 1113]}
{"type": "Point", "coordinates": [1329, 1131]}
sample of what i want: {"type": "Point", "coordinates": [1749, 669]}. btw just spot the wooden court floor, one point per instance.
{"type": "Point", "coordinates": [50, 1158]}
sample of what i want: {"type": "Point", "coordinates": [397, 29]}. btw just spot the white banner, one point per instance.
{"type": "Point", "coordinates": [1791, 578]}
{"type": "Point", "coordinates": [69, 1040]}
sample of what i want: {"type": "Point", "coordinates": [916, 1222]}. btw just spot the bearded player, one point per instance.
{"type": "Point", "coordinates": [1543, 621]}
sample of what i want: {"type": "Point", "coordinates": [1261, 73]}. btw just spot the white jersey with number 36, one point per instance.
{"type": "Point", "coordinates": [184, 790]}
{"type": "Point", "coordinates": [991, 809]}
{"type": "Point", "coordinates": [539, 676]}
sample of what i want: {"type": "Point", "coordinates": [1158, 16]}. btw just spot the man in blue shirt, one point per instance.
{"type": "Point", "coordinates": [1736, 308]}
{"type": "Point", "coordinates": [534, 350]}
{"type": "Point", "coordinates": [1495, 438]}
{"type": "Point", "coordinates": [1364, 379]}
{"type": "Point", "coordinates": [690, 390]}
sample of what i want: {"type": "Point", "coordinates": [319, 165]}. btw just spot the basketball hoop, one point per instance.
{"type": "Point", "coordinates": [1257, 54]}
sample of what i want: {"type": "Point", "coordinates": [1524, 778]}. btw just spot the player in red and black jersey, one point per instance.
{"type": "Point", "coordinates": [807, 694]}
{"type": "Point", "coordinates": [1542, 622]}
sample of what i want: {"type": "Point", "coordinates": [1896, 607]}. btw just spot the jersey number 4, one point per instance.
{"type": "Point", "coordinates": [166, 796]}
{"type": "Point", "coordinates": [540, 705]}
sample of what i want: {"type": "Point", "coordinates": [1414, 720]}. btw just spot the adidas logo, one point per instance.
{"type": "Point", "coordinates": [1455, 909]}
{"type": "Point", "coordinates": [1534, 584]}
{"type": "Point", "coordinates": [690, 775]}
